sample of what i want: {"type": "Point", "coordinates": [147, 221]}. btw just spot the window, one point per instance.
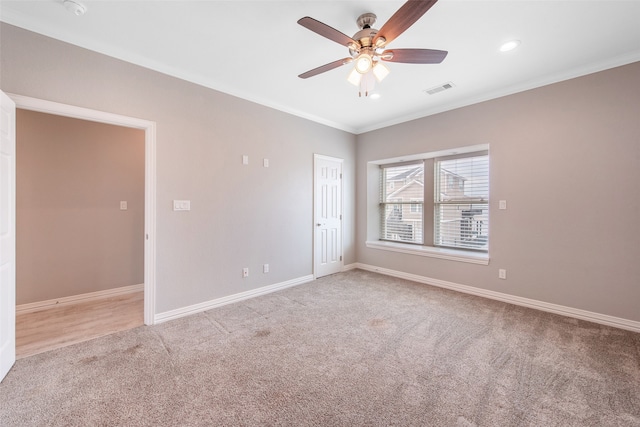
{"type": "Point", "coordinates": [437, 201]}
{"type": "Point", "coordinates": [461, 202]}
{"type": "Point", "coordinates": [401, 204]}
{"type": "Point", "coordinates": [416, 207]}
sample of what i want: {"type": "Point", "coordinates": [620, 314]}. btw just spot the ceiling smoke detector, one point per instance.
{"type": "Point", "coordinates": [75, 7]}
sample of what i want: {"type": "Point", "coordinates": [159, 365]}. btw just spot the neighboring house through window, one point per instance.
{"type": "Point", "coordinates": [402, 189]}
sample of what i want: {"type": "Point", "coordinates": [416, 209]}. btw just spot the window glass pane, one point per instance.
{"type": "Point", "coordinates": [461, 211]}
{"type": "Point", "coordinates": [399, 224]}
{"type": "Point", "coordinates": [462, 226]}
{"type": "Point", "coordinates": [402, 195]}
{"type": "Point", "coordinates": [463, 179]}
{"type": "Point", "coordinates": [403, 183]}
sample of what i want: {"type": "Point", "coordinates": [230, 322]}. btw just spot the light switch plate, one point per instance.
{"type": "Point", "coordinates": [245, 160]}
{"type": "Point", "coordinates": [182, 205]}
{"type": "Point", "coordinates": [265, 163]}
{"type": "Point", "coordinates": [502, 204]}
{"type": "Point", "coordinates": [123, 205]}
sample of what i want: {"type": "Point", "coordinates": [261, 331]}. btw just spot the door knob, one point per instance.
{"type": "Point", "coordinates": [318, 224]}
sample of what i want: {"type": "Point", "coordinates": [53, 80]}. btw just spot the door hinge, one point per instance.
{"type": "Point", "coordinates": [340, 176]}
{"type": "Point", "coordinates": [340, 257]}
{"type": "Point", "coordinates": [340, 216]}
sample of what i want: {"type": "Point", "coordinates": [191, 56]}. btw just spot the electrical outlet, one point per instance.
{"type": "Point", "coordinates": [245, 272]}
{"type": "Point", "coordinates": [265, 268]}
{"type": "Point", "coordinates": [502, 274]}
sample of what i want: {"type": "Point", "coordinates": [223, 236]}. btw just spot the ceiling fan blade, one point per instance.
{"type": "Point", "coordinates": [325, 67]}
{"type": "Point", "coordinates": [414, 56]}
{"type": "Point", "coordinates": [326, 31]}
{"type": "Point", "coordinates": [404, 17]}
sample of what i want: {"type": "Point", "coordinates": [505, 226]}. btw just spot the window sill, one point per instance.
{"type": "Point", "coordinates": [428, 251]}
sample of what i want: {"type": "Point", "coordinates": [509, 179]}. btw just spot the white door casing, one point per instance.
{"type": "Point", "coordinates": [149, 127]}
{"type": "Point", "coordinates": [327, 215]}
{"type": "Point", "coordinates": [7, 234]}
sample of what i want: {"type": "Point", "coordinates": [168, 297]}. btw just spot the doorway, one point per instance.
{"type": "Point", "coordinates": [80, 228]}
{"type": "Point", "coordinates": [33, 104]}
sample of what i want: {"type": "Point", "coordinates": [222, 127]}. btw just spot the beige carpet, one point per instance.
{"type": "Point", "coordinates": [354, 349]}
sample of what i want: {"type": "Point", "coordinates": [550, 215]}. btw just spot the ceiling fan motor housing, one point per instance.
{"type": "Point", "coordinates": [366, 20]}
{"type": "Point", "coordinates": [365, 36]}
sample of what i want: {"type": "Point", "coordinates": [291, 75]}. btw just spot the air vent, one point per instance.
{"type": "Point", "coordinates": [439, 89]}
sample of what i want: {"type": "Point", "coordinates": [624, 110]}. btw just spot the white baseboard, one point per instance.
{"type": "Point", "coordinates": [590, 316]}
{"type": "Point", "coordinates": [349, 267]}
{"type": "Point", "coordinates": [208, 305]}
{"type": "Point", "coordinates": [74, 299]}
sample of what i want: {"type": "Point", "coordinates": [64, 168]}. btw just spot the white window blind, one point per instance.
{"type": "Point", "coordinates": [401, 199]}
{"type": "Point", "coordinates": [461, 202]}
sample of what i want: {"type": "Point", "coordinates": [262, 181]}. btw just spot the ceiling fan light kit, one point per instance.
{"type": "Point", "coordinates": [380, 71]}
{"type": "Point", "coordinates": [366, 81]}
{"type": "Point", "coordinates": [366, 47]}
{"type": "Point", "coordinates": [364, 63]}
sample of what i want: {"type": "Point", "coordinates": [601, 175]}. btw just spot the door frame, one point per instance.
{"type": "Point", "coordinates": [149, 127]}
{"type": "Point", "coordinates": [317, 157]}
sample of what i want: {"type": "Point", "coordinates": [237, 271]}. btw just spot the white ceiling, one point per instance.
{"type": "Point", "coordinates": [255, 49]}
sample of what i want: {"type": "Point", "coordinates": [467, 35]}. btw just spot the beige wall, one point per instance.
{"type": "Point", "coordinates": [553, 152]}
{"type": "Point", "coordinates": [72, 238]}
{"type": "Point", "coordinates": [241, 216]}
{"type": "Point", "coordinates": [569, 236]}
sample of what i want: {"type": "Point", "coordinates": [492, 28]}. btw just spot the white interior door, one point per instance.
{"type": "Point", "coordinates": [7, 234]}
{"type": "Point", "coordinates": [327, 215]}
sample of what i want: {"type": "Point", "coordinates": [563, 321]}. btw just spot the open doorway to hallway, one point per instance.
{"type": "Point", "coordinates": [80, 229]}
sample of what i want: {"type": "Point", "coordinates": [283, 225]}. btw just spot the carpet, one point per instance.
{"type": "Point", "coordinates": [352, 349]}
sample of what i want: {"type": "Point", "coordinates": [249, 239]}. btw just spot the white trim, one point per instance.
{"type": "Point", "coordinates": [44, 106]}
{"type": "Point", "coordinates": [70, 36]}
{"type": "Point", "coordinates": [429, 251]}
{"type": "Point", "coordinates": [330, 158]}
{"type": "Point", "coordinates": [208, 305]}
{"type": "Point", "coordinates": [618, 61]}
{"type": "Point", "coordinates": [58, 109]}
{"type": "Point", "coordinates": [74, 299]}
{"type": "Point", "coordinates": [150, 223]}
{"type": "Point", "coordinates": [349, 267]}
{"type": "Point", "coordinates": [67, 34]}
{"type": "Point", "coordinates": [576, 313]}
{"type": "Point", "coordinates": [431, 155]}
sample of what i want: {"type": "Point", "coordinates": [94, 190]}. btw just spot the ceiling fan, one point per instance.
{"type": "Point", "coordinates": [367, 46]}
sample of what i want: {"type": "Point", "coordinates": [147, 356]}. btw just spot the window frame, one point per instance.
{"type": "Point", "coordinates": [428, 246]}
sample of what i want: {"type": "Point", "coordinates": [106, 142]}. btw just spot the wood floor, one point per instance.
{"type": "Point", "coordinates": [57, 327]}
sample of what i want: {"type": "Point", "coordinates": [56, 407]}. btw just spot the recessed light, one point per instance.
{"type": "Point", "coordinates": [375, 96]}
{"type": "Point", "coordinates": [510, 45]}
